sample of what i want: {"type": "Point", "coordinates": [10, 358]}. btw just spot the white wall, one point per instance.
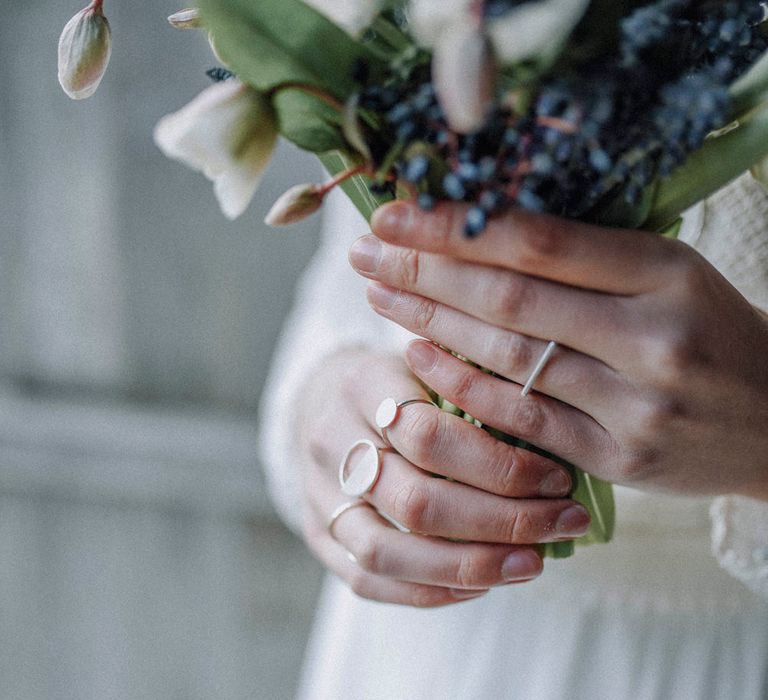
{"type": "Point", "coordinates": [138, 554]}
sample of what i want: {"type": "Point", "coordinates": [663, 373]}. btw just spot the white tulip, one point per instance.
{"type": "Point", "coordinates": [528, 30]}
{"type": "Point", "coordinates": [353, 16]}
{"type": "Point", "coordinates": [228, 132]}
{"type": "Point", "coordinates": [429, 19]}
{"type": "Point", "coordinates": [464, 74]}
{"type": "Point", "coordinates": [535, 28]}
{"type": "Point", "coordinates": [85, 46]}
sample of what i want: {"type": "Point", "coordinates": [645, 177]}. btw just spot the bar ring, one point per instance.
{"type": "Point", "coordinates": [360, 468]}
{"type": "Point", "coordinates": [389, 411]}
{"type": "Point", "coordinates": [537, 370]}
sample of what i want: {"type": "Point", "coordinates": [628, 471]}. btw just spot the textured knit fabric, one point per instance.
{"type": "Point", "coordinates": [653, 615]}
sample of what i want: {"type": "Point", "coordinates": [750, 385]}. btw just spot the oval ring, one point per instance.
{"type": "Point", "coordinates": [360, 477]}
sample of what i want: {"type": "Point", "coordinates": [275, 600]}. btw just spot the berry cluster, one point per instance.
{"type": "Point", "coordinates": [566, 143]}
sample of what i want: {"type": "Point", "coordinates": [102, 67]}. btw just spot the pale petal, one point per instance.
{"type": "Point", "coordinates": [228, 132]}
{"type": "Point", "coordinates": [428, 19]}
{"type": "Point", "coordinates": [464, 74]}
{"type": "Point", "coordinates": [535, 28]}
{"type": "Point", "coordinates": [353, 16]}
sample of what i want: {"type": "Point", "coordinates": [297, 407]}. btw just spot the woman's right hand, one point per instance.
{"type": "Point", "coordinates": [499, 500]}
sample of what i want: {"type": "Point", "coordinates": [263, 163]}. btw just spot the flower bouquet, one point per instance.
{"type": "Point", "coordinates": [618, 112]}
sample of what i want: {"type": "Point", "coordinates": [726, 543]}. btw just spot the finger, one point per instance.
{"type": "Point", "coordinates": [570, 376]}
{"type": "Point", "coordinates": [373, 586]}
{"type": "Point", "coordinates": [385, 551]}
{"type": "Point", "coordinates": [442, 508]}
{"type": "Point", "coordinates": [536, 418]}
{"type": "Point", "coordinates": [445, 444]}
{"type": "Point", "coordinates": [598, 324]}
{"type": "Point", "coordinates": [610, 260]}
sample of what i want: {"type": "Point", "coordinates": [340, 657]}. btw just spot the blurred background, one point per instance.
{"type": "Point", "coordinates": [139, 556]}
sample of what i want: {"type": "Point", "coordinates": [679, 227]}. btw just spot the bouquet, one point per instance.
{"type": "Point", "coordinates": [618, 112]}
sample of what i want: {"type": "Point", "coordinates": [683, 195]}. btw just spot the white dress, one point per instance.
{"type": "Point", "coordinates": [675, 608]}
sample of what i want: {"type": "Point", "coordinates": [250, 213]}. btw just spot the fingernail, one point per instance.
{"type": "Point", "coordinates": [365, 254]}
{"type": "Point", "coordinates": [555, 483]}
{"type": "Point", "coordinates": [392, 220]}
{"type": "Point", "coordinates": [521, 565]}
{"type": "Point", "coordinates": [572, 522]}
{"type": "Point", "coordinates": [465, 594]}
{"type": "Point", "coordinates": [382, 297]}
{"type": "Point", "coordinates": [422, 356]}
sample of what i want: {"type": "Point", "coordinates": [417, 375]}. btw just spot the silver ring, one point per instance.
{"type": "Point", "coordinates": [361, 476]}
{"type": "Point", "coordinates": [343, 508]}
{"type": "Point", "coordinates": [389, 411]}
{"type": "Point", "coordinates": [537, 370]}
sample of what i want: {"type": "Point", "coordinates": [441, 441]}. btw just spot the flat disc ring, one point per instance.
{"type": "Point", "coordinates": [389, 411]}
{"type": "Point", "coordinates": [360, 468]}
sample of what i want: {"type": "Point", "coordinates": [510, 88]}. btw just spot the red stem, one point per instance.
{"type": "Point", "coordinates": [326, 187]}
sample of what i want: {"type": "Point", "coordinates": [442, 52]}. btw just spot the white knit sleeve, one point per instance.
{"type": "Point", "coordinates": [330, 313]}
{"type": "Point", "coordinates": [731, 231]}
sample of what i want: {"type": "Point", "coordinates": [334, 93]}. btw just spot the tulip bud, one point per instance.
{"type": "Point", "coordinates": [296, 204]}
{"type": "Point", "coordinates": [85, 46]}
{"type": "Point", "coordinates": [186, 19]}
{"type": "Point", "coordinates": [464, 74]}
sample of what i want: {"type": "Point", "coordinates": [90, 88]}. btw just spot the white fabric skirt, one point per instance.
{"type": "Point", "coordinates": [650, 616]}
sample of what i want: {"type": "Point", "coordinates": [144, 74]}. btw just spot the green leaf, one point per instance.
{"type": "Point", "coordinates": [752, 88]}
{"type": "Point", "coordinates": [713, 166]}
{"type": "Point", "coordinates": [597, 497]}
{"type": "Point", "coordinates": [270, 42]}
{"type": "Point", "coordinates": [308, 122]}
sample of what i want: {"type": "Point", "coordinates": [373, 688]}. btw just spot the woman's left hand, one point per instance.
{"type": "Point", "coordinates": [660, 378]}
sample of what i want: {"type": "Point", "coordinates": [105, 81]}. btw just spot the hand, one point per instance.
{"type": "Point", "coordinates": [497, 530]}
{"type": "Point", "coordinates": [660, 379]}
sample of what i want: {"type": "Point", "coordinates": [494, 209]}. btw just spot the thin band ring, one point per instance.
{"type": "Point", "coordinates": [537, 370]}
{"type": "Point", "coordinates": [389, 411]}
{"type": "Point", "coordinates": [338, 512]}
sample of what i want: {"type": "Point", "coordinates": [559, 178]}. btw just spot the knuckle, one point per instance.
{"type": "Point", "coordinates": [527, 417]}
{"type": "Point", "coordinates": [660, 413]}
{"type": "Point", "coordinates": [425, 431]}
{"type": "Point", "coordinates": [639, 464]}
{"type": "Point", "coordinates": [520, 527]}
{"type": "Point", "coordinates": [465, 573]}
{"type": "Point", "coordinates": [688, 272]}
{"type": "Point", "coordinates": [424, 313]}
{"type": "Point", "coordinates": [541, 239]}
{"type": "Point", "coordinates": [505, 472]}
{"type": "Point", "coordinates": [411, 504]}
{"type": "Point", "coordinates": [352, 379]}
{"type": "Point", "coordinates": [674, 355]}
{"type": "Point", "coordinates": [361, 584]}
{"type": "Point", "coordinates": [514, 353]}
{"type": "Point", "coordinates": [409, 266]}
{"type": "Point", "coordinates": [464, 387]}
{"type": "Point", "coordinates": [507, 298]}
{"type": "Point", "coordinates": [368, 554]}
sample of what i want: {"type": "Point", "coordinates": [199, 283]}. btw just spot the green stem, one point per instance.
{"type": "Point", "coordinates": [391, 34]}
